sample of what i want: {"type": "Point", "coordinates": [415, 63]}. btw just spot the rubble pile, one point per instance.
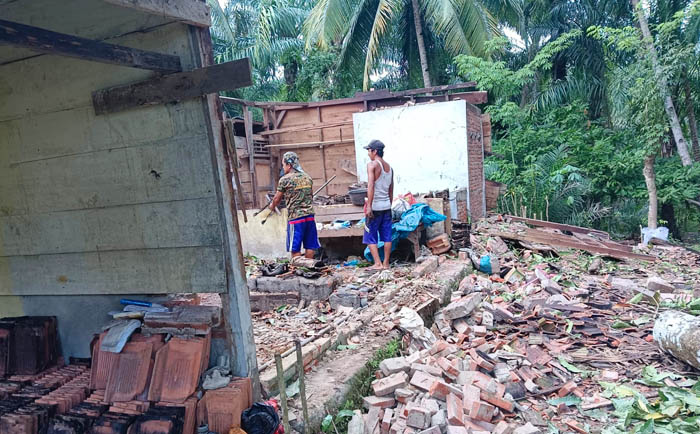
{"type": "Point", "coordinates": [555, 340]}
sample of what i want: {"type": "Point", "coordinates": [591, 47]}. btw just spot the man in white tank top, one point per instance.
{"type": "Point", "coordinates": [380, 194]}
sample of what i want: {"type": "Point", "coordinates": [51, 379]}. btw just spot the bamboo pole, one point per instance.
{"type": "Point", "coordinates": [283, 392]}
{"type": "Point", "coordinates": [302, 385]}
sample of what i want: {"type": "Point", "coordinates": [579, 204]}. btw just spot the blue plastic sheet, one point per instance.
{"type": "Point", "coordinates": [410, 220]}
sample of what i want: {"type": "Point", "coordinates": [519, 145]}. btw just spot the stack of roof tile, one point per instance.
{"type": "Point", "coordinates": [28, 344]}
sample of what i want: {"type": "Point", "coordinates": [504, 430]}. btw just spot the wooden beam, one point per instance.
{"type": "Point", "coordinates": [280, 118]}
{"type": "Point", "coordinates": [476, 97]}
{"type": "Point", "coordinates": [191, 12]}
{"type": "Point", "coordinates": [444, 88]}
{"type": "Point", "coordinates": [560, 226]}
{"type": "Point", "coordinates": [248, 121]}
{"type": "Point", "coordinates": [359, 97]}
{"type": "Point", "coordinates": [305, 127]}
{"type": "Point", "coordinates": [48, 42]}
{"type": "Point", "coordinates": [174, 87]}
{"type": "Point", "coordinates": [309, 144]}
{"type": "Point", "coordinates": [566, 241]}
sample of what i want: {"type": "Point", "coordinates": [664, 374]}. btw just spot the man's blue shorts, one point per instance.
{"type": "Point", "coordinates": [378, 227]}
{"type": "Point", "coordinates": [302, 230]}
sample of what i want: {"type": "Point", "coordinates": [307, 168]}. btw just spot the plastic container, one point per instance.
{"type": "Point", "coordinates": [357, 196]}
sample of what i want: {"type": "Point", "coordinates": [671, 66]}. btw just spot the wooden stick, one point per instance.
{"type": "Point", "coordinates": [248, 124]}
{"type": "Point", "coordinates": [322, 332]}
{"type": "Point", "coordinates": [283, 392]}
{"type": "Point", "coordinates": [302, 385]}
{"type": "Point", "coordinates": [310, 144]}
{"type": "Point", "coordinates": [324, 184]}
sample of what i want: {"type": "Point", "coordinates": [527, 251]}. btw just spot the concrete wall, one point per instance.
{"type": "Point", "coordinates": [266, 241]}
{"type": "Point", "coordinates": [425, 144]}
{"type": "Point", "coordinates": [102, 205]}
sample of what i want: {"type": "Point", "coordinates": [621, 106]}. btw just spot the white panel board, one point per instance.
{"type": "Point", "coordinates": [425, 144]}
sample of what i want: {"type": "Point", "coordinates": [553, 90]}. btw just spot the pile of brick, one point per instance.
{"type": "Point", "coordinates": [452, 387]}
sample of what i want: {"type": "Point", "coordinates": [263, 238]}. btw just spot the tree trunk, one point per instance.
{"type": "Point", "coordinates": [679, 334]}
{"type": "Point", "coordinates": [421, 44]}
{"type": "Point", "coordinates": [650, 180]}
{"type": "Point", "coordinates": [668, 214]}
{"type": "Point", "coordinates": [681, 143]}
{"type": "Point", "coordinates": [690, 108]}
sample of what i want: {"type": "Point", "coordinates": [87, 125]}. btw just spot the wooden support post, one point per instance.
{"type": "Point", "coordinates": [279, 118]}
{"type": "Point", "coordinates": [302, 386]}
{"type": "Point", "coordinates": [248, 124]}
{"type": "Point", "coordinates": [46, 41]}
{"type": "Point", "coordinates": [283, 392]}
{"type": "Point", "coordinates": [266, 121]}
{"type": "Point", "coordinates": [174, 87]}
{"type": "Point", "coordinates": [233, 155]}
{"type": "Point", "coordinates": [323, 148]}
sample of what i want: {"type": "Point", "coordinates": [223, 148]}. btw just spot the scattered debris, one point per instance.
{"type": "Point", "coordinates": [554, 340]}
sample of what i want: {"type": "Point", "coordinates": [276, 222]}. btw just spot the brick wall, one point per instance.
{"type": "Point", "coordinates": [475, 157]}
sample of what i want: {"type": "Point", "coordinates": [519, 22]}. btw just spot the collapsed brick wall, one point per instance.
{"type": "Point", "coordinates": [475, 157]}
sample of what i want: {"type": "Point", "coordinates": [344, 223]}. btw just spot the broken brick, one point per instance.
{"type": "Point", "coordinates": [438, 347]}
{"type": "Point", "coordinates": [377, 401]}
{"type": "Point", "coordinates": [448, 369]}
{"type": "Point", "coordinates": [567, 388]}
{"type": "Point", "coordinates": [479, 330]}
{"type": "Point", "coordinates": [455, 429]}
{"type": "Point", "coordinates": [503, 427]}
{"type": "Point", "coordinates": [484, 382]}
{"type": "Point", "coordinates": [439, 390]}
{"type": "Point", "coordinates": [431, 430]}
{"type": "Point", "coordinates": [404, 395]}
{"type": "Point", "coordinates": [423, 381]}
{"type": "Point", "coordinates": [481, 411]}
{"type": "Point", "coordinates": [462, 307]}
{"type": "Point", "coordinates": [417, 416]}
{"type": "Point", "coordinates": [455, 411]}
{"type": "Point", "coordinates": [482, 362]}
{"type": "Point", "coordinates": [528, 428]}
{"type": "Point", "coordinates": [394, 365]}
{"type": "Point", "coordinates": [386, 421]}
{"type": "Point", "coordinates": [428, 369]}
{"type": "Point", "coordinates": [470, 394]}
{"type": "Point", "coordinates": [388, 385]}
{"type": "Point", "coordinates": [499, 402]}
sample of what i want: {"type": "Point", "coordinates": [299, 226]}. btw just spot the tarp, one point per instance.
{"type": "Point", "coordinates": [410, 220]}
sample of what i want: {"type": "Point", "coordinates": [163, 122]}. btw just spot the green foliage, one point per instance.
{"type": "Point", "coordinates": [361, 386]}
{"type": "Point", "coordinates": [502, 82]}
{"type": "Point", "coordinates": [677, 410]}
{"type": "Point", "coordinates": [562, 161]}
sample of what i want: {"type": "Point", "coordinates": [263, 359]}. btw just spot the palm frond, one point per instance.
{"type": "Point", "coordinates": [382, 17]}
{"type": "Point", "coordinates": [220, 22]}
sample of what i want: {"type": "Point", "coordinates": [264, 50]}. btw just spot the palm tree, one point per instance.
{"type": "Point", "coordinates": [264, 30]}
{"type": "Point", "coordinates": [374, 32]}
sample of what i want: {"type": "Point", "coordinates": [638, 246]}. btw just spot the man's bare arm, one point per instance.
{"type": "Point", "coordinates": [370, 186]}
{"type": "Point", "coordinates": [391, 188]}
{"type": "Point", "coordinates": [276, 200]}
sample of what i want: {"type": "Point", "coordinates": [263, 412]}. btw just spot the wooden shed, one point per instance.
{"type": "Point", "coordinates": [322, 134]}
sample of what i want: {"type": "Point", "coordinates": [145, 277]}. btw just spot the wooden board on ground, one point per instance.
{"type": "Point", "coordinates": [567, 241]}
{"type": "Point", "coordinates": [336, 233]}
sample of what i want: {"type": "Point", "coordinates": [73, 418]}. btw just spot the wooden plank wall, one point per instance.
{"type": "Point", "coordinates": [339, 157]}
{"type": "Point", "coordinates": [322, 162]}
{"type": "Point", "coordinates": [118, 204]}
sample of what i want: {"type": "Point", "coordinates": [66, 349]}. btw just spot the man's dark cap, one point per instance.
{"type": "Point", "coordinates": [375, 145]}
